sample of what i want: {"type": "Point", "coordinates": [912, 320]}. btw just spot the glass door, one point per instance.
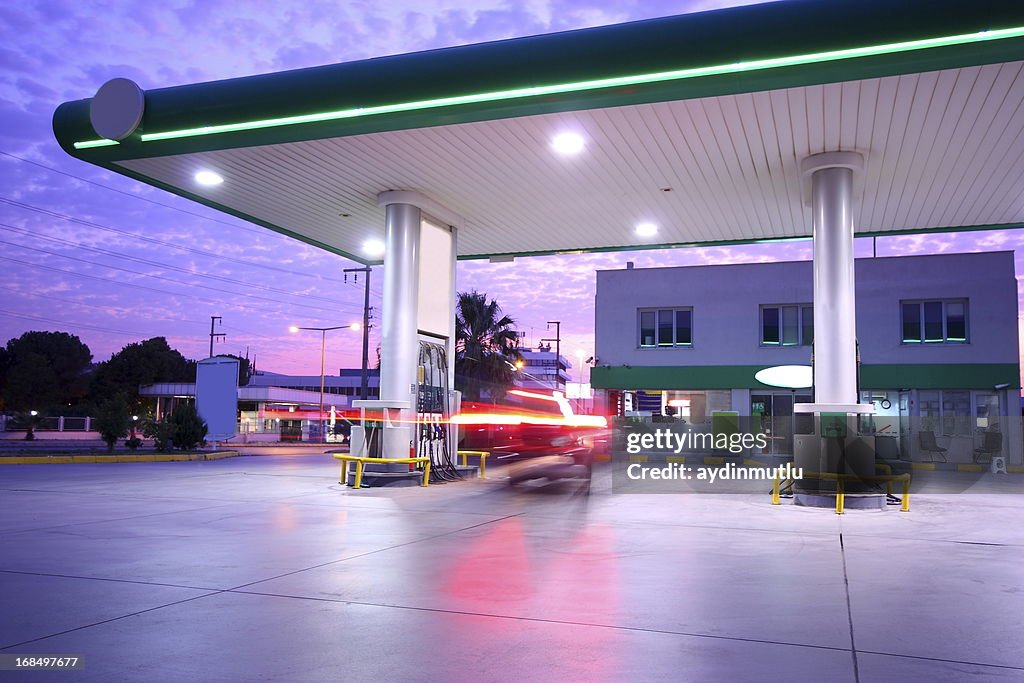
{"type": "Point", "coordinates": [772, 415]}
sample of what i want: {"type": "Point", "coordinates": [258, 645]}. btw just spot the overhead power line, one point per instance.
{"type": "Point", "coordinates": [153, 240]}
{"type": "Point", "coordinates": [155, 277]}
{"type": "Point", "coordinates": [157, 264]}
{"type": "Point", "coordinates": [240, 226]}
{"type": "Point", "coordinates": [103, 307]}
{"type": "Point", "coordinates": [66, 323]}
{"type": "Point", "coordinates": [134, 285]}
{"type": "Point", "coordinates": [142, 198]}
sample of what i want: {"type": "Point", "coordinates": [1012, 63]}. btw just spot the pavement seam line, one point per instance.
{"type": "Point", "coordinates": [373, 552]}
{"type": "Point", "coordinates": [106, 578]}
{"type": "Point", "coordinates": [849, 608]}
{"type": "Point", "coordinates": [540, 620]}
{"type": "Point", "coordinates": [939, 659]}
{"type": "Point", "coordinates": [116, 519]}
{"type": "Point", "coordinates": [107, 621]}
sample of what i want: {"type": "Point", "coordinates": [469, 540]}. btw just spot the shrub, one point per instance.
{"type": "Point", "coordinates": [161, 433]}
{"type": "Point", "coordinates": [188, 429]}
{"type": "Point", "coordinates": [133, 443]}
{"type": "Point", "coordinates": [182, 429]}
{"type": "Point", "coordinates": [112, 421]}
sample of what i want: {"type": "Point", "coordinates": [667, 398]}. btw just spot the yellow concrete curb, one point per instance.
{"type": "Point", "coordinates": [638, 458]}
{"type": "Point", "coordinates": [969, 468]}
{"type": "Point", "coordinates": [221, 455]}
{"type": "Point", "coordinates": [164, 457]}
{"type": "Point", "coordinates": [1015, 469]}
{"type": "Point", "coordinates": [676, 458]}
{"type": "Point", "coordinates": [922, 466]}
{"type": "Point", "coordinates": [714, 460]}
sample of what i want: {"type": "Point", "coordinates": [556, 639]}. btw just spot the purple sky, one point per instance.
{"type": "Point", "coordinates": [134, 280]}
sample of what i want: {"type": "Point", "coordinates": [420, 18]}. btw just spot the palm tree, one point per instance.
{"type": "Point", "coordinates": [485, 347]}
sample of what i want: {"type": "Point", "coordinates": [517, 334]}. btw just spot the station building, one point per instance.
{"type": "Point", "coordinates": [279, 407]}
{"type": "Point", "coordinates": [937, 338]}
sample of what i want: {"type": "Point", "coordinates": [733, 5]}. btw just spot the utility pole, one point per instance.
{"type": "Point", "coordinates": [558, 348]}
{"type": "Point", "coordinates": [213, 335]}
{"type": "Point", "coordinates": [364, 383]}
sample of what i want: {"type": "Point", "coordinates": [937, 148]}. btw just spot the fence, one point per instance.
{"type": "Point", "coordinates": [11, 423]}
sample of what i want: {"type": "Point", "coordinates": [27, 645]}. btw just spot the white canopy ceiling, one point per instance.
{"type": "Point", "coordinates": [943, 149]}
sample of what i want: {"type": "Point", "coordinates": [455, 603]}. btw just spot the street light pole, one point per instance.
{"type": "Point", "coordinates": [579, 371]}
{"type": "Point", "coordinates": [364, 382]}
{"type": "Point", "coordinates": [320, 415]}
{"type": "Point", "coordinates": [323, 348]}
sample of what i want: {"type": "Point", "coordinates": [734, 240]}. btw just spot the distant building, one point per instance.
{"type": "Point", "coordinates": [346, 383]}
{"type": "Point", "coordinates": [277, 407]}
{"type": "Point", "coordinates": [542, 370]}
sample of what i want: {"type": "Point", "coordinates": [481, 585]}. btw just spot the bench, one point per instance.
{"type": "Point", "coordinates": [361, 460]}
{"type": "Point", "coordinates": [483, 460]}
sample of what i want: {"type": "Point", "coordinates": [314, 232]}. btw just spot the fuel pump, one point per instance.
{"type": "Point", "coordinates": [433, 411]}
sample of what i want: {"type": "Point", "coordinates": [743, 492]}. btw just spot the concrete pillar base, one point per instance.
{"type": "Point", "coordinates": [851, 501]}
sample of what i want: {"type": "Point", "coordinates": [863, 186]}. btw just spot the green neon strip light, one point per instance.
{"type": "Point", "coordinates": [911, 341]}
{"type": "Point", "coordinates": [534, 91]}
{"type": "Point", "coordinates": [956, 339]}
{"type": "Point", "coordinates": [95, 143]}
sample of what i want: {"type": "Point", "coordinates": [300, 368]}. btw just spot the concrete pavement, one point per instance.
{"type": "Point", "coordinates": [263, 568]}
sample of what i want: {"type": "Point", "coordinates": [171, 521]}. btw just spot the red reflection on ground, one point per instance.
{"type": "Point", "coordinates": [285, 518]}
{"type": "Point", "coordinates": [492, 569]}
{"type": "Point", "coordinates": [542, 581]}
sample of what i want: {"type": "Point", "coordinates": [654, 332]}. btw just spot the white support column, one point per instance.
{"type": "Point", "coordinates": [399, 340]}
{"type": "Point", "coordinates": [835, 312]}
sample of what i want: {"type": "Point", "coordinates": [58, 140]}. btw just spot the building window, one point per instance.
{"type": "Point", "coordinates": [791, 325]}
{"type": "Point", "coordinates": [665, 327]}
{"type": "Point", "coordinates": [934, 322]}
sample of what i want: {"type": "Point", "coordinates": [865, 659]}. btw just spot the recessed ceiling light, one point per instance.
{"type": "Point", "coordinates": [373, 248]}
{"type": "Point", "coordinates": [647, 229]}
{"type": "Point", "coordinates": [568, 143]}
{"type": "Point", "coordinates": [208, 178]}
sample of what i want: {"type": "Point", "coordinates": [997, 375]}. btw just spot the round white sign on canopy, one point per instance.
{"type": "Point", "coordinates": [116, 109]}
{"type": "Point", "coordinates": [787, 376]}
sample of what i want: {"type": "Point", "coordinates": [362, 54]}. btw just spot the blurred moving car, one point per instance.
{"type": "Point", "coordinates": [537, 434]}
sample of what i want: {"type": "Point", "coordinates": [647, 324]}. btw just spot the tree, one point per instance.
{"type": "Point", "coordinates": [32, 384]}
{"type": "Point", "coordinates": [112, 420]}
{"type": "Point", "coordinates": [188, 430]}
{"type": "Point", "coordinates": [4, 368]}
{"type": "Point", "coordinates": [44, 370]}
{"type": "Point", "coordinates": [485, 347]}
{"type": "Point", "coordinates": [146, 362]}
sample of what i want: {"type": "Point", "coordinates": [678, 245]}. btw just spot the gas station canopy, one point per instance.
{"type": "Point", "coordinates": [692, 126]}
